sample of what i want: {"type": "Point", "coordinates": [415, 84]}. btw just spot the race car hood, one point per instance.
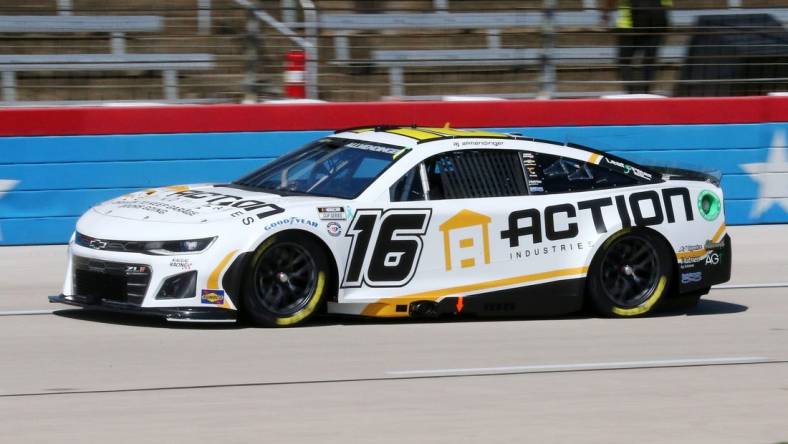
{"type": "Point", "coordinates": [199, 204]}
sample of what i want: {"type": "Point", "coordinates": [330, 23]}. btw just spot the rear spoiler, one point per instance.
{"type": "Point", "coordinates": [670, 173]}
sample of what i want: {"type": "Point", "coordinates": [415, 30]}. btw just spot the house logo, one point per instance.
{"type": "Point", "coordinates": [466, 239]}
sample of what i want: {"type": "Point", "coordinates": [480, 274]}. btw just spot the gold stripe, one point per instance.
{"type": "Point", "coordinates": [718, 234]}
{"type": "Point", "coordinates": [698, 253]}
{"type": "Point", "coordinates": [386, 307]}
{"type": "Point", "coordinates": [213, 279]}
{"type": "Point", "coordinates": [692, 253]}
{"type": "Point", "coordinates": [464, 133]}
{"type": "Point", "coordinates": [422, 134]}
{"type": "Point", "coordinates": [414, 133]}
{"type": "Point", "coordinates": [178, 188]}
{"type": "Point", "coordinates": [499, 283]}
{"type": "Point", "coordinates": [595, 158]}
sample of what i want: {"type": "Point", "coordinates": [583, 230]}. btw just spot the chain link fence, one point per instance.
{"type": "Point", "coordinates": [83, 51]}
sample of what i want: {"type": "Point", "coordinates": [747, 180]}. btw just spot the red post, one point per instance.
{"type": "Point", "coordinates": [295, 86]}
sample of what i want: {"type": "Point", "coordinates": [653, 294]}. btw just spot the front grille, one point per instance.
{"type": "Point", "coordinates": [109, 245]}
{"type": "Point", "coordinates": [114, 281]}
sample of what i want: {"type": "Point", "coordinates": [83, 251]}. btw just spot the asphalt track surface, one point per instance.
{"type": "Point", "coordinates": [718, 373]}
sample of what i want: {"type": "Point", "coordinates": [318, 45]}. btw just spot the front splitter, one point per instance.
{"type": "Point", "coordinates": [172, 314]}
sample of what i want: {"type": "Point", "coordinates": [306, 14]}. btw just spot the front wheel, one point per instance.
{"type": "Point", "coordinates": [629, 275]}
{"type": "Point", "coordinates": [286, 281]}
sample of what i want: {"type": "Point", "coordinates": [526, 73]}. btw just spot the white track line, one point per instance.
{"type": "Point", "coordinates": [25, 312]}
{"type": "Point", "coordinates": [732, 286]}
{"type": "Point", "coordinates": [582, 366]}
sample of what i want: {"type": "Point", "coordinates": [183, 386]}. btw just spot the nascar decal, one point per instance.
{"type": "Point", "coordinates": [331, 213]}
{"type": "Point", "coordinates": [386, 246]}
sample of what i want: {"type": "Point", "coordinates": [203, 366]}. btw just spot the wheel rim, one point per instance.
{"type": "Point", "coordinates": [630, 271]}
{"type": "Point", "coordinates": [285, 278]}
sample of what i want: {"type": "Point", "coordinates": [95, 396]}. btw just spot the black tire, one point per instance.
{"type": "Point", "coordinates": [286, 282]}
{"type": "Point", "coordinates": [630, 274]}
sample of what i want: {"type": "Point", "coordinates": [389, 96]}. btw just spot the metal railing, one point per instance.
{"type": "Point", "coordinates": [426, 49]}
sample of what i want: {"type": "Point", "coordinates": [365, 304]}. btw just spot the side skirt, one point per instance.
{"type": "Point", "coordinates": [548, 299]}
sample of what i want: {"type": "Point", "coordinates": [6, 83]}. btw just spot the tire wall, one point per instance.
{"type": "Point", "coordinates": [57, 162]}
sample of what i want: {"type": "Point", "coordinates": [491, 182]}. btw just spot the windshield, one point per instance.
{"type": "Point", "coordinates": [329, 167]}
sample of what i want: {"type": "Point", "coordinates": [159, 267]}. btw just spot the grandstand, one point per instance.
{"type": "Point", "coordinates": [78, 51]}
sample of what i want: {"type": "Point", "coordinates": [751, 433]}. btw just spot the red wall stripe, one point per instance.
{"type": "Point", "coordinates": [322, 116]}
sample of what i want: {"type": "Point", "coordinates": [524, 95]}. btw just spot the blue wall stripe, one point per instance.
{"type": "Point", "coordinates": [39, 230]}
{"type": "Point", "coordinates": [659, 137]}
{"type": "Point", "coordinates": [70, 176]}
{"type": "Point", "coordinates": [60, 177]}
{"type": "Point", "coordinates": [738, 212]}
{"type": "Point", "coordinates": [54, 203]}
{"type": "Point", "coordinates": [702, 160]}
{"type": "Point", "coordinates": [18, 150]}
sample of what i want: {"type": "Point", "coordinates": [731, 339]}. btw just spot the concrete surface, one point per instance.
{"type": "Point", "coordinates": [716, 374]}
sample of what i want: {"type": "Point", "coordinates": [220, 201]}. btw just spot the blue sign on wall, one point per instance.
{"type": "Point", "coordinates": [47, 182]}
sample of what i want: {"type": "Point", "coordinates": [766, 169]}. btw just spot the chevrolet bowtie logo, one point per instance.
{"type": "Point", "coordinates": [97, 244]}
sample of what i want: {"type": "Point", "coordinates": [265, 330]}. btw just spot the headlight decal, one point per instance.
{"type": "Point", "coordinates": [187, 246]}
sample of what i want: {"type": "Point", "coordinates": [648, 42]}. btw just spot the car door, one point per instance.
{"type": "Point", "coordinates": [469, 194]}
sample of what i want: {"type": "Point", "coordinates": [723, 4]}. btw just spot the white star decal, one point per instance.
{"type": "Point", "coordinates": [771, 176]}
{"type": "Point", "coordinates": [5, 185]}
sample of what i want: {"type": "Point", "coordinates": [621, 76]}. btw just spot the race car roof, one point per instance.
{"type": "Point", "coordinates": [411, 136]}
{"type": "Point", "coordinates": [414, 135]}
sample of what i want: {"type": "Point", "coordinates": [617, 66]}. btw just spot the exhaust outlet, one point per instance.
{"type": "Point", "coordinates": [423, 309]}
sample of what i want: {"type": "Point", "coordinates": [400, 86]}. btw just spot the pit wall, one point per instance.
{"type": "Point", "coordinates": [57, 162]}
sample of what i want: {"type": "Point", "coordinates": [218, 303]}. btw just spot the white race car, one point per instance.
{"type": "Point", "coordinates": [408, 221]}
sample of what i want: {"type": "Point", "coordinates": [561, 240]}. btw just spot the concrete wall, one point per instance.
{"type": "Point", "coordinates": [56, 163]}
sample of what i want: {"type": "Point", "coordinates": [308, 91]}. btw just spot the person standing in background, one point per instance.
{"type": "Point", "coordinates": [640, 26]}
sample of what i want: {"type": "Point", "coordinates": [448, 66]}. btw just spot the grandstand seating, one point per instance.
{"type": "Point", "coordinates": [117, 60]}
{"type": "Point", "coordinates": [91, 50]}
{"type": "Point", "coordinates": [85, 51]}
{"type": "Point", "coordinates": [395, 60]}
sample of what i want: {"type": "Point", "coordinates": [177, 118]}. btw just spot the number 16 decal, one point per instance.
{"type": "Point", "coordinates": [386, 247]}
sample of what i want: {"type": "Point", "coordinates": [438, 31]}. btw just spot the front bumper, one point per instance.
{"type": "Point", "coordinates": [173, 314]}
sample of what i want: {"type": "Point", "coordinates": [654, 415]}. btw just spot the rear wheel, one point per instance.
{"type": "Point", "coordinates": [286, 281]}
{"type": "Point", "coordinates": [630, 274]}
